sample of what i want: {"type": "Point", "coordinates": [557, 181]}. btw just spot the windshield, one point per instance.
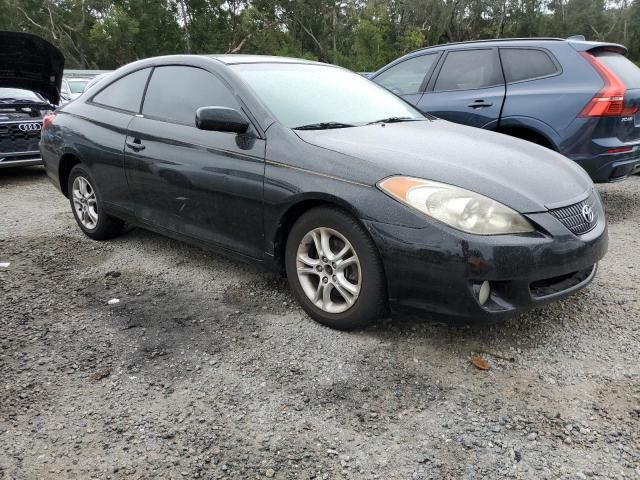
{"type": "Point", "coordinates": [77, 86]}
{"type": "Point", "coordinates": [302, 95]}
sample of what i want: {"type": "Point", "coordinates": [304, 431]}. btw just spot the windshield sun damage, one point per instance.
{"type": "Point", "coordinates": [315, 97]}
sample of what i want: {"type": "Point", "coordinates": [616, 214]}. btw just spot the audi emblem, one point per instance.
{"type": "Point", "coordinates": [587, 213]}
{"type": "Point", "coordinates": [30, 127]}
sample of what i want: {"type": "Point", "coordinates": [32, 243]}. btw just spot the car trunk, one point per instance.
{"type": "Point", "coordinates": [623, 122]}
{"type": "Point", "coordinates": [630, 129]}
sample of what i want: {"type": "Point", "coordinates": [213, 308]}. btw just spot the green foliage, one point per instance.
{"type": "Point", "coordinates": [359, 34]}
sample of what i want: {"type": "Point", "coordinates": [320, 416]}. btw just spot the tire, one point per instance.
{"type": "Point", "coordinates": [94, 222]}
{"type": "Point", "coordinates": [365, 273]}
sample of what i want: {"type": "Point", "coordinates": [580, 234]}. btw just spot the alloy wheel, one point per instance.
{"type": "Point", "coordinates": [329, 270]}
{"type": "Point", "coordinates": [85, 202]}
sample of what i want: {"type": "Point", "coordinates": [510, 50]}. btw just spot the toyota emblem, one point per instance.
{"type": "Point", "coordinates": [30, 127]}
{"type": "Point", "coordinates": [587, 213]}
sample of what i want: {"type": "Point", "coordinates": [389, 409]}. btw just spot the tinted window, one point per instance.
{"type": "Point", "coordinates": [175, 93]}
{"type": "Point", "coordinates": [469, 69]}
{"type": "Point", "coordinates": [299, 94]}
{"type": "Point", "coordinates": [624, 68]}
{"type": "Point", "coordinates": [126, 93]}
{"type": "Point", "coordinates": [406, 77]}
{"type": "Point", "coordinates": [524, 64]}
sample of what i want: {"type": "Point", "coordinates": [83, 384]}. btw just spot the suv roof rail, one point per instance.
{"type": "Point", "coordinates": [489, 40]}
{"type": "Point", "coordinates": [577, 38]}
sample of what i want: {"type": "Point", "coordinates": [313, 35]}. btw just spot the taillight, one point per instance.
{"type": "Point", "coordinates": [48, 119]}
{"type": "Point", "coordinates": [608, 102]}
{"type": "Point", "coordinates": [619, 150]}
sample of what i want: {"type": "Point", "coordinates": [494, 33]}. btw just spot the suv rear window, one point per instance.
{"type": "Point", "coordinates": [625, 69]}
{"type": "Point", "coordinates": [526, 64]}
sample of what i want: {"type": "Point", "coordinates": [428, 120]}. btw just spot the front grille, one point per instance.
{"type": "Point", "coordinates": [551, 286]}
{"type": "Point", "coordinates": [14, 140]}
{"type": "Point", "coordinates": [573, 217]}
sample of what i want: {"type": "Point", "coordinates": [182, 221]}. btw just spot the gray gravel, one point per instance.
{"type": "Point", "coordinates": [206, 368]}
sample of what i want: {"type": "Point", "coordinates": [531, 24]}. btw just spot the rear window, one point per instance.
{"type": "Point", "coordinates": [625, 69]}
{"type": "Point", "coordinates": [526, 64]}
{"type": "Point", "coordinates": [125, 93]}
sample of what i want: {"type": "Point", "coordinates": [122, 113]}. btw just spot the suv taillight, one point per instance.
{"type": "Point", "coordinates": [608, 102]}
{"type": "Point", "coordinates": [48, 119]}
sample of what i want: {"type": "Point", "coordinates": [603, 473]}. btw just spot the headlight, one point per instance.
{"type": "Point", "coordinates": [457, 207]}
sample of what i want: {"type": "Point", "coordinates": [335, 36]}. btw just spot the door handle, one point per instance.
{"type": "Point", "coordinates": [480, 104]}
{"type": "Point", "coordinates": [136, 146]}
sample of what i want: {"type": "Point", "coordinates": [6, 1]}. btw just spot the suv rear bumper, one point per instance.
{"type": "Point", "coordinates": [611, 167]}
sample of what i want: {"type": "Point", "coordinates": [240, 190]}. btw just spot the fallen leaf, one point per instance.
{"type": "Point", "coordinates": [480, 363]}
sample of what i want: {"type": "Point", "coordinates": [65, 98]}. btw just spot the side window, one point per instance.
{"type": "Point", "coordinates": [175, 93]}
{"type": "Point", "coordinates": [406, 77]}
{"type": "Point", "coordinates": [525, 64]}
{"type": "Point", "coordinates": [468, 70]}
{"type": "Point", "coordinates": [125, 93]}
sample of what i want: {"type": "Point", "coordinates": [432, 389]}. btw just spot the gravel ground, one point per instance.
{"type": "Point", "coordinates": [206, 368]}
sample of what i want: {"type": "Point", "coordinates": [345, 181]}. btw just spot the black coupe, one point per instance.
{"type": "Point", "coordinates": [364, 202]}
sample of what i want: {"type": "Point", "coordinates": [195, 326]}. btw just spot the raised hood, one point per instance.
{"type": "Point", "coordinates": [524, 176]}
{"type": "Point", "coordinates": [30, 62]}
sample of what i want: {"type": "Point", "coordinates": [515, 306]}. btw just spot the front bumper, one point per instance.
{"type": "Point", "coordinates": [20, 159]}
{"type": "Point", "coordinates": [436, 272]}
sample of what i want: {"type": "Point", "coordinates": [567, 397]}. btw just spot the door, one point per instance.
{"type": "Point", "coordinates": [409, 77]}
{"type": "Point", "coordinates": [206, 185]}
{"type": "Point", "coordinates": [468, 88]}
{"type": "Point", "coordinates": [105, 120]}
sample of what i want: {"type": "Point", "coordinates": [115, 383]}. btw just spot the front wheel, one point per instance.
{"type": "Point", "coordinates": [87, 207]}
{"type": "Point", "coordinates": [334, 270]}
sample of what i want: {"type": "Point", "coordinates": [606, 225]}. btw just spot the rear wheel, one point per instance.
{"type": "Point", "coordinates": [334, 270]}
{"type": "Point", "coordinates": [87, 207]}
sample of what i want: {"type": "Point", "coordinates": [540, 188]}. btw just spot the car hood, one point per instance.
{"type": "Point", "coordinates": [519, 174]}
{"type": "Point", "coordinates": [30, 62]}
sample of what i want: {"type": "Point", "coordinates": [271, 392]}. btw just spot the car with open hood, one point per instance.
{"type": "Point", "coordinates": [30, 77]}
{"type": "Point", "coordinates": [367, 205]}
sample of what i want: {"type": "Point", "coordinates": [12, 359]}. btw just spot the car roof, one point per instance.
{"type": "Point", "coordinates": [578, 42]}
{"type": "Point", "coordinates": [235, 59]}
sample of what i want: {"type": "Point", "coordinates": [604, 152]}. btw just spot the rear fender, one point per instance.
{"type": "Point", "coordinates": [532, 124]}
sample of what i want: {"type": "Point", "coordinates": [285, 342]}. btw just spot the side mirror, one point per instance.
{"type": "Point", "coordinates": [221, 119]}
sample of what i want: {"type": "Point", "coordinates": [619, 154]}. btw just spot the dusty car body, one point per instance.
{"type": "Point", "coordinates": [363, 201]}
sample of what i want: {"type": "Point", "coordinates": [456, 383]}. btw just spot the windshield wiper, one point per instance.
{"type": "Point", "coordinates": [323, 126]}
{"type": "Point", "coordinates": [394, 120]}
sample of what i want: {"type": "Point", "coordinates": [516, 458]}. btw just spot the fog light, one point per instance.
{"type": "Point", "coordinates": [484, 292]}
